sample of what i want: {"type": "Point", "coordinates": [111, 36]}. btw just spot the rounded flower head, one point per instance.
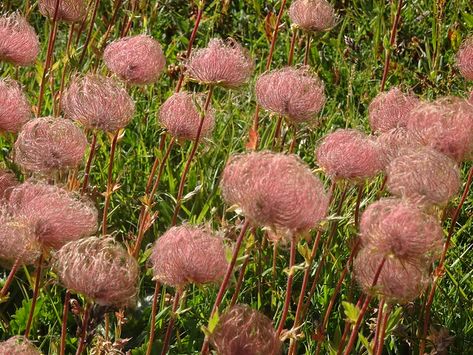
{"type": "Point", "coordinates": [350, 154]}
{"type": "Point", "coordinates": [221, 63]}
{"type": "Point", "coordinates": [465, 58]}
{"type": "Point", "coordinates": [275, 190]}
{"type": "Point", "coordinates": [98, 102]}
{"type": "Point", "coordinates": [296, 93]}
{"type": "Point", "coordinates": [7, 182]}
{"type": "Point", "coordinates": [446, 125]}
{"type": "Point", "coordinates": [188, 254]}
{"type": "Point", "coordinates": [395, 142]}
{"type": "Point", "coordinates": [57, 216]}
{"type": "Point", "coordinates": [15, 109]}
{"type": "Point", "coordinates": [19, 43]}
{"type": "Point", "coordinates": [68, 10]}
{"type": "Point", "coordinates": [423, 175]}
{"type": "Point", "coordinates": [399, 281]}
{"type": "Point", "coordinates": [243, 330]}
{"type": "Point", "coordinates": [47, 145]}
{"type": "Point", "coordinates": [100, 269]}
{"type": "Point", "coordinates": [181, 115]}
{"type": "Point", "coordinates": [312, 15]}
{"type": "Point", "coordinates": [399, 229]}
{"type": "Point", "coordinates": [389, 110]}
{"type": "Point", "coordinates": [18, 345]}
{"type": "Point", "coordinates": [135, 59]}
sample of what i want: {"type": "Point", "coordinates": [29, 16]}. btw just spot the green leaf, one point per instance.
{"type": "Point", "coordinates": [366, 343]}
{"type": "Point", "coordinates": [213, 321]}
{"type": "Point", "coordinates": [351, 311]}
{"type": "Point", "coordinates": [468, 19]}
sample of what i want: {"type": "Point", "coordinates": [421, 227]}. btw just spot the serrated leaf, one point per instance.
{"type": "Point", "coordinates": [366, 343]}
{"type": "Point", "coordinates": [351, 311]}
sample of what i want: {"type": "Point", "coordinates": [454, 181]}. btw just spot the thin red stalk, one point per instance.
{"type": "Point", "coordinates": [346, 330]}
{"type": "Point", "coordinates": [240, 280]}
{"type": "Point", "coordinates": [379, 319]}
{"type": "Point", "coordinates": [382, 333]}
{"type": "Point", "coordinates": [294, 140]}
{"type": "Point", "coordinates": [10, 277]}
{"type": "Point", "coordinates": [85, 324]}
{"type": "Point", "coordinates": [89, 33]}
{"type": "Point", "coordinates": [357, 205]}
{"type": "Point", "coordinates": [35, 295]}
{"type": "Point", "coordinates": [153, 318]}
{"type": "Point", "coordinates": [307, 49]}
{"type": "Point", "coordinates": [127, 27]}
{"type": "Point", "coordinates": [291, 48]}
{"type": "Point", "coordinates": [65, 311]}
{"type": "Point", "coordinates": [277, 132]}
{"type": "Point", "coordinates": [109, 183]}
{"type": "Point", "coordinates": [88, 166]}
{"type": "Point", "coordinates": [191, 157]}
{"type": "Point", "coordinates": [64, 70]}
{"type": "Point", "coordinates": [167, 337]}
{"type": "Point", "coordinates": [82, 23]}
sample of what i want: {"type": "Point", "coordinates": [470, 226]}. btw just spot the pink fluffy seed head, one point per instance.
{"type": "Point", "coordinates": [275, 190]}
{"type": "Point", "coordinates": [58, 216]}
{"type": "Point", "coordinates": [181, 115]}
{"type": "Point", "coordinates": [15, 109]}
{"type": "Point", "coordinates": [8, 181]}
{"type": "Point", "coordinates": [19, 43]}
{"type": "Point", "coordinates": [18, 345]}
{"type": "Point", "coordinates": [188, 254]}
{"type": "Point", "coordinates": [98, 102]}
{"type": "Point", "coordinates": [296, 93]}
{"type": "Point", "coordinates": [136, 59]}
{"type": "Point", "coordinates": [395, 142]}
{"type": "Point", "coordinates": [445, 125]}
{"type": "Point", "coordinates": [100, 269]}
{"type": "Point", "coordinates": [223, 63]}
{"type": "Point", "coordinates": [350, 154]}
{"type": "Point", "coordinates": [399, 229]}
{"type": "Point", "coordinates": [465, 58]}
{"type": "Point", "coordinates": [243, 330]}
{"type": "Point", "coordinates": [399, 281]}
{"type": "Point", "coordinates": [389, 110]}
{"type": "Point", "coordinates": [68, 10]}
{"type": "Point", "coordinates": [47, 145]}
{"type": "Point", "coordinates": [424, 176]}
{"type": "Point", "coordinates": [312, 15]}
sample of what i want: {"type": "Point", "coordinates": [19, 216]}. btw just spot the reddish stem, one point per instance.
{"type": "Point", "coordinates": [65, 312]}
{"type": "Point", "coordinates": [240, 280]}
{"type": "Point", "coordinates": [153, 318]}
{"type": "Point", "coordinates": [35, 295]}
{"type": "Point", "coordinates": [380, 345]}
{"type": "Point", "coordinates": [346, 330]}
{"type": "Point", "coordinates": [108, 193]}
{"type": "Point", "coordinates": [277, 132]}
{"type": "Point", "coordinates": [379, 319]}
{"type": "Point", "coordinates": [10, 277]}
{"type": "Point", "coordinates": [64, 70]}
{"type": "Point", "coordinates": [167, 337]}
{"type": "Point", "coordinates": [307, 49]}
{"type": "Point", "coordinates": [89, 33]}
{"type": "Point", "coordinates": [88, 166]}
{"type": "Point", "coordinates": [85, 324]}
{"type": "Point", "coordinates": [357, 205]}
{"type": "Point", "coordinates": [291, 48]}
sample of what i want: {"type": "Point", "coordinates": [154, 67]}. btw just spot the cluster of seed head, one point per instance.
{"type": "Point", "coordinates": [424, 176]}
{"type": "Point", "coordinates": [350, 154]}
{"type": "Point", "coordinates": [389, 110]}
{"type": "Point", "coordinates": [19, 43]}
{"type": "Point", "coordinates": [296, 93]}
{"type": "Point", "coordinates": [465, 58]}
{"type": "Point", "coordinates": [100, 269]}
{"type": "Point", "coordinates": [98, 102]}
{"type": "Point", "coordinates": [312, 15]}
{"type": "Point", "coordinates": [243, 330]}
{"type": "Point", "coordinates": [68, 10]}
{"type": "Point", "coordinates": [57, 216]}
{"type": "Point", "coordinates": [226, 64]}
{"type": "Point", "coordinates": [18, 345]}
{"type": "Point", "coordinates": [8, 181]}
{"type": "Point", "coordinates": [15, 109]}
{"type": "Point", "coordinates": [395, 142]}
{"type": "Point", "coordinates": [135, 59]}
{"type": "Point", "coordinates": [48, 144]}
{"type": "Point", "coordinates": [181, 115]}
{"type": "Point", "coordinates": [275, 190]}
{"type": "Point", "coordinates": [188, 254]}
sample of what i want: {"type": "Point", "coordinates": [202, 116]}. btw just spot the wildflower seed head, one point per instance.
{"type": "Point", "coordinates": [312, 15]}
{"type": "Point", "coordinates": [19, 43]}
{"type": "Point", "coordinates": [68, 10]}
{"type": "Point", "coordinates": [399, 281]}
{"type": "Point", "coordinates": [424, 176]}
{"type": "Point", "coordinates": [56, 215]}
{"type": "Point", "coordinates": [100, 269]}
{"type": "Point", "coordinates": [223, 63]}
{"type": "Point", "coordinates": [18, 345]}
{"type": "Point", "coordinates": [136, 59]}
{"type": "Point", "coordinates": [98, 102]}
{"type": "Point", "coordinates": [445, 125]}
{"type": "Point", "coordinates": [350, 154]}
{"type": "Point", "coordinates": [181, 115]}
{"type": "Point", "coordinates": [399, 229]}
{"type": "Point", "coordinates": [188, 254]}
{"type": "Point", "coordinates": [243, 330]}
{"type": "Point", "coordinates": [395, 142]}
{"type": "Point", "coordinates": [296, 93]}
{"type": "Point", "coordinates": [46, 145]}
{"type": "Point", "coordinates": [465, 58]}
{"type": "Point", "coordinates": [8, 181]}
{"type": "Point", "coordinates": [389, 110]}
{"type": "Point", "coordinates": [275, 190]}
{"type": "Point", "coordinates": [15, 109]}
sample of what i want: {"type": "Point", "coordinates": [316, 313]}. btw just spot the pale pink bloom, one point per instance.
{"type": "Point", "coordinates": [350, 154]}
{"type": "Point", "coordinates": [181, 115]}
{"type": "Point", "coordinates": [296, 93]}
{"type": "Point", "coordinates": [395, 142]}
{"type": "Point", "coordinates": [312, 15]}
{"type": "Point", "coordinates": [135, 59]}
{"type": "Point", "coordinates": [47, 144]}
{"type": "Point", "coordinates": [389, 110]}
{"type": "Point", "coordinates": [243, 330]}
{"type": "Point", "coordinates": [100, 269]}
{"type": "Point", "coordinates": [56, 215]}
{"type": "Point", "coordinates": [68, 10]}
{"type": "Point", "coordinates": [465, 58]}
{"type": "Point", "coordinates": [18, 345]}
{"type": "Point", "coordinates": [15, 109]}
{"type": "Point", "coordinates": [98, 102]}
{"type": "Point", "coordinates": [19, 43]}
{"type": "Point", "coordinates": [188, 254]}
{"type": "Point", "coordinates": [8, 181]}
{"type": "Point", "coordinates": [221, 63]}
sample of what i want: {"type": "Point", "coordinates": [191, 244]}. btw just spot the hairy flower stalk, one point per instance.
{"type": "Point", "coordinates": [15, 109]}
